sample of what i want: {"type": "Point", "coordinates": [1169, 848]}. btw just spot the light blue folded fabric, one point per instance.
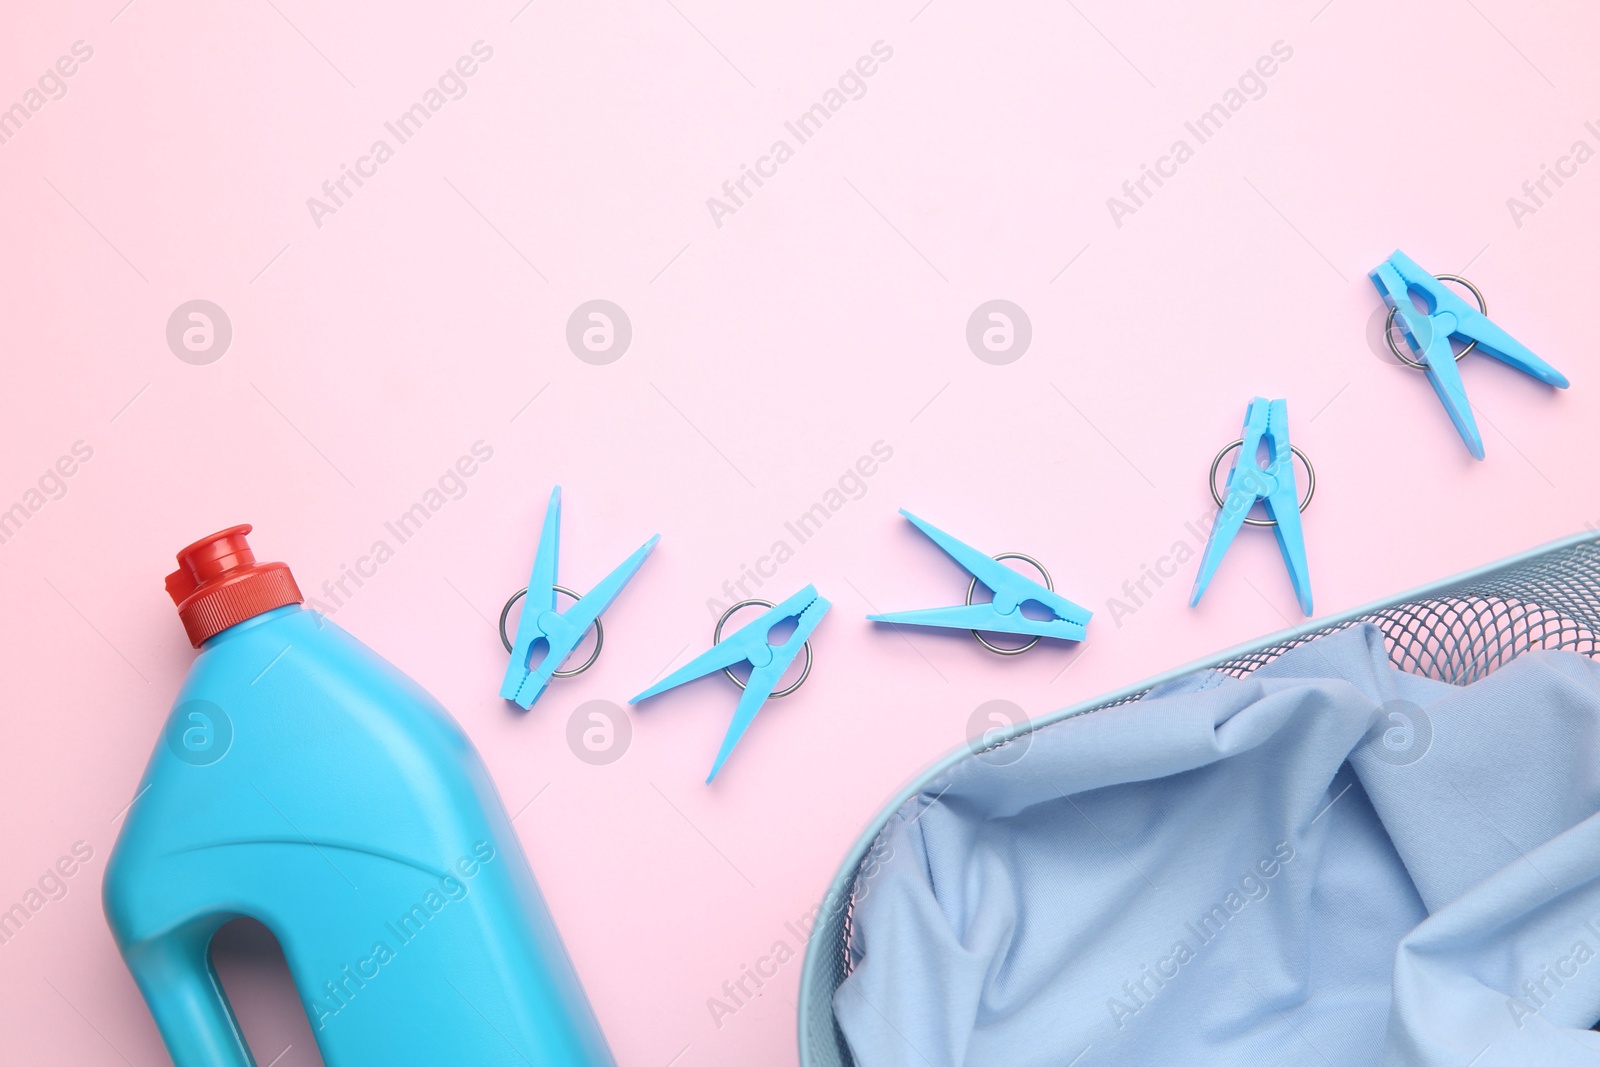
{"type": "Point", "coordinates": [1330, 862]}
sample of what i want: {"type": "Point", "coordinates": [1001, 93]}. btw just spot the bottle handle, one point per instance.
{"type": "Point", "coordinates": [175, 974]}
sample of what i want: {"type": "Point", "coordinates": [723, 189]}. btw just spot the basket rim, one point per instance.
{"type": "Point", "coordinates": [843, 881]}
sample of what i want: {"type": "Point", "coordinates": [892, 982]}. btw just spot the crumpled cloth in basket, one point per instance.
{"type": "Point", "coordinates": [1328, 862]}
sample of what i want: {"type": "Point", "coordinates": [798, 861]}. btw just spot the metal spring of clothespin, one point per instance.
{"type": "Point", "coordinates": [972, 588]}
{"type": "Point", "coordinates": [716, 639]}
{"type": "Point", "coordinates": [1388, 323]}
{"type": "Point", "coordinates": [1305, 501]}
{"type": "Point", "coordinates": [599, 630]}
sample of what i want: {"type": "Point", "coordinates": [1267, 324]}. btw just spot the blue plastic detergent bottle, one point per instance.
{"type": "Point", "coordinates": [304, 782]}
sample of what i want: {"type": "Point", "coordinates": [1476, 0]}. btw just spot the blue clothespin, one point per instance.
{"type": "Point", "coordinates": [767, 660]}
{"type": "Point", "coordinates": [559, 632]}
{"type": "Point", "coordinates": [1429, 333]}
{"type": "Point", "coordinates": [1011, 590]}
{"type": "Point", "coordinates": [1248, 482]}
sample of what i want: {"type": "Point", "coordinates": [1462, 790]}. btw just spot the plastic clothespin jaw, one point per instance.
{"type": "Point", "coordinates": [1266, 421]}
{"type": "Point", "coordinates": [560, 633]}
{"type": "Point", "coordinates": [768, 662]}
{"type": "Point", "coordinates": [1429, 333]}
{"type": "Point", "coordinates": [1003, 614]}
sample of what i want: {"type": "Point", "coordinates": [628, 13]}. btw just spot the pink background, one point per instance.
{"type": "Point", "coordinates": [826, 314]}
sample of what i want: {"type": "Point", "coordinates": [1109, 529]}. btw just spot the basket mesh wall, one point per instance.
{"type": "Point", "coordinates": [1456, 633]}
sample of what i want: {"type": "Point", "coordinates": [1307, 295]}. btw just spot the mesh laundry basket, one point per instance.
{"type": "Point", "coordinates": [1456, 631]}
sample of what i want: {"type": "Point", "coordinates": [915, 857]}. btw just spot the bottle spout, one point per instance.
{"type": "Point", "coordinates": [219, 583]}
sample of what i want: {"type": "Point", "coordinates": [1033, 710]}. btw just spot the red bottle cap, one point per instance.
{"type": "Point", "coordinates": [219, 583]}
